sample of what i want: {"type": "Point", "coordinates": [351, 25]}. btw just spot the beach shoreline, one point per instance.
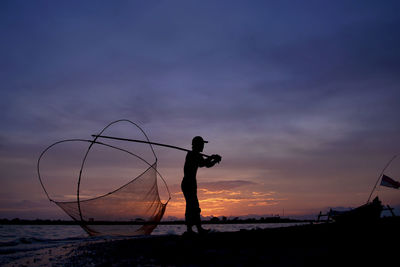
{"type": "Point", "coordinates": [306, 245]}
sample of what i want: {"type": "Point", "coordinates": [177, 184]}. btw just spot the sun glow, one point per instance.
{"type": "Point", "coordinates": [225, 202]}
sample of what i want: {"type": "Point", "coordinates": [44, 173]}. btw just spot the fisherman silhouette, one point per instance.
{"type": "Point", "coordinates": [194, 160]}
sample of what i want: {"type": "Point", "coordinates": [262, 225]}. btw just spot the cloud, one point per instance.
{"type": "Point", "coordinates": [227, 197]}
{"type": "Point", "coordinates": [216, 186]}
{"type": "Point", "coordinates": [225, 185]}
{"type": "Point", "coordinates": [295, 97]}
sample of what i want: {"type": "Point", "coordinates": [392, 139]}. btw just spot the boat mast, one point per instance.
{"type": "Point", "coordinates": [379, 177]}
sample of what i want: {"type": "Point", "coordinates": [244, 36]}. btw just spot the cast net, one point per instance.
{"type": "Point", "coordinates": [134, 208]}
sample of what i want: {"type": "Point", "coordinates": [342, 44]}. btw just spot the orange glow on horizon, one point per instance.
{"type": "Point", "coordinates": [225, 202]}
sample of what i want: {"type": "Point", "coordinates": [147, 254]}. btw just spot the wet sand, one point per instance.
{"type": "Point", "coordinates": [306, 245]}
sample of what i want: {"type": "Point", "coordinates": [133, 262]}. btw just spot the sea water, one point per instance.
{"type": "Point", "coordinates": [17, 240]}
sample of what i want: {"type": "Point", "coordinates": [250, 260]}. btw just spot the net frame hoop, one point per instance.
{"type": "Point", "coordinates": [90, 147]}
{"type": "Point", "coordinates": [92, 142]}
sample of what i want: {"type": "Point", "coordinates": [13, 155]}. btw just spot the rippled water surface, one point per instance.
{"type": "Point", "coordinates": [16, 240]}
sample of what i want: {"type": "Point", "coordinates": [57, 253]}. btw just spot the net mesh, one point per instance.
{"type": "Point", "coordinates": [133, 209]}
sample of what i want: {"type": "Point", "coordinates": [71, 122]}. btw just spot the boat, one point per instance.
{"type": "Point", "coordinates": [369, 212]}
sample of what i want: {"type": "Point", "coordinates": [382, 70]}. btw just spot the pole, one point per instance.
{"type": "Point", "coordinates": [144, 142]}
{"type": "Point", "coordinates": [379, 177]}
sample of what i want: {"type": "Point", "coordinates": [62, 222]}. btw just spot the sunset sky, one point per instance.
{"type": "Point", "coordinates": [300, 98]}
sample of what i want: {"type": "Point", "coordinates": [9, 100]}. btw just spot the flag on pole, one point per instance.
{"type": "Point", "coordinates": [389, 182]}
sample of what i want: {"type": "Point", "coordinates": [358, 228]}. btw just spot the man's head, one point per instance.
{"type": "Point", "coordinates": [198, 144]}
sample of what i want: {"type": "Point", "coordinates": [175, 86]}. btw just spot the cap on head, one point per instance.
{"type": "Point", "coordinates": [198, 140]}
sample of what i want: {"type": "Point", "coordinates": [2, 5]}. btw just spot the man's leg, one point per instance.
{"type": "Point", "coordinates": [188, 194]}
